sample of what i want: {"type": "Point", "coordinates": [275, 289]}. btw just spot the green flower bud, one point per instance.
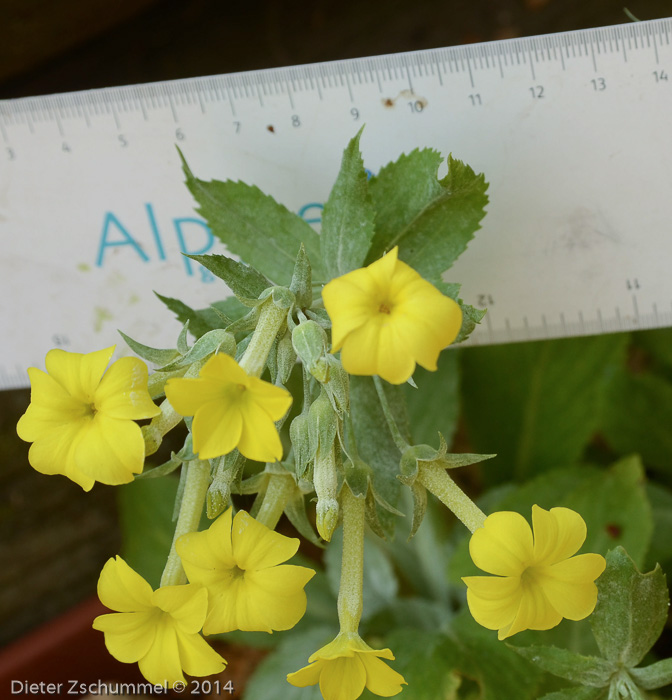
{"type": "Point", "coordinates": [310, 343]}
{"type": "Point", "coordinates": [325, 481]}
{"type": "Point", "coordinates": [337, 385]}
{"type": "Point", "coordinates": [299, 434]}
{"type": "Point", "coordinates": [286, 358]}
{"type": "Point", "coordinates": [322, 424]}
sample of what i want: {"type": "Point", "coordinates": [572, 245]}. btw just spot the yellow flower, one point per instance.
{"type": "Point", "coordinates": [237, 560]}
{"type": "Point", "coordinates": [347, 665]}
{"type": "Point", "coordinates": [386, 317]}
{"type": "Point", "coordinates": [157, 629]}
{"type": "Point", "coordinates": [80, 418]}
{"type": "Point", "coordinates": [539, 581]}
{"type": "Point", "coordinates": [231, 409]}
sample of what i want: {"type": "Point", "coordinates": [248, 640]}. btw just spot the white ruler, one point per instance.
{"type": "Point", "coordinates": [571, 130]}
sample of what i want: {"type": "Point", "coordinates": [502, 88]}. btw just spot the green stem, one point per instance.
{"type": "Point", "coordinates": [437, 481]}
{"type": "Point", "coordinates": [277, 494]}
{"type": "Point", "coordinates": [270, 321]}
{"type": "Point", "coordinates": [352, 562]}
{"type": "Point", "coordinates": [191, 508]}
{"type": "Point", "coordinates": [387, 411]}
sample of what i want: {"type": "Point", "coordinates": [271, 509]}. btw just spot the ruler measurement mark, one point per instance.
{"type": "Point", "coordinates": [352, 99]}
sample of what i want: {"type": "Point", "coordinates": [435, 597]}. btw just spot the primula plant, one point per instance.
{"type": "Point", "coordinates": [301, 396]}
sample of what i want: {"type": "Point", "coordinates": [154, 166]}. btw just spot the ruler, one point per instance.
{"type": "Point", "coordinates": [572, 131]}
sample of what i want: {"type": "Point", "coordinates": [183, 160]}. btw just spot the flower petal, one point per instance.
{"type": "Point", "coordinates": [204, 554]}
{"type": "Point", "coordinates": [558, 534]}
{"type": "Point", "coordinates": [257, 547]}
{"type": "Point", "coordinates": [187, 396]}
{"type": "Point", "coordinates": [110, 450]}
{"type": "Point", "coordinates": [197, 657]}
{"type": "Point", "coordinates": [225, 368]}
{"type": "Point", "coordinates": [122, 392]}
{"type": "Point", "coordinates": [216, 429]}
{"type": "Point", "coordinates": [569, 586]}
{"type": "Point", "coordinates": [259, 439]}
{"type": "Point", "coordinates": [380, 678]}
{"type": "Point", "coordinates": [534, 613]}
{"type": "Point", "coordinates": [187, 605]}
{"type": "Point", "coordinates": [128, 636]}
{"type": "Point", "coordinates": [308, 675]}
{"type": "Point", "coordinates": [493, 602]}
{"type": "Point", "coordinates": [228, 609]}
{"type": "Point", "coordinates": [122, 589]}
{"type": "Point", "coordinates": [78, 374]}
{"type": "Point", "coordinates": [278, 594]}
{"type": "Point", "coordinates": [503, 546]}
{"type": "Point", "coordinates": [161, 665]}
{"type": "Point", "coordinates": [274, 400]}
{"type": "Point", "coordinates": [342, 678]}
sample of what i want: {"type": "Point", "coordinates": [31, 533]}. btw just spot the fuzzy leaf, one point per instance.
{"type": "Point", "coordinates": [631, 609]}
{"type": "Point", "coordinates": [656, 675]}
{"type": "Point", "coordinates": [431, 221]}
{"type": "Point", "coordinates": [254, 226]}
{"type": "Point", "coordinates": [578, 693]}
{"type": "Point", "coordinates": [244, 281]}
{"type": "Point", "coordinates": [200, 322]}
{"type": "Point", "coordinates": [215, 340]}
{"type": "Point", "coordinates": [585, 670]}
{"type": "Point", "coordinates": [153, 355]}
{"type": "Point", "coordinates": [347, 220]}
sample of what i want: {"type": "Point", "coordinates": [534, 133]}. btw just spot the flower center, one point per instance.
{"type": "Point", "coordinates": [237, 573]}
{"type": "Point", "coordinates": [90, 410]}
{"type": "Point", "coordinates": [385, 308]}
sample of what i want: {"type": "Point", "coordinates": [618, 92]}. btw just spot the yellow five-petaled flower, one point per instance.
{"type": "Point", "coordinates": [231, 409]}
{"type": "Point", "coordinates": [157, 629]}
{"type": "Point", "coordinates": [386, 318]}
{"type": "Point", "coordinates": [347, 665]}
{"type": "Point", "coordinates": [81, 418]}
{"type": "Point", "coordinates": [538, 580]}
{"type": "Point", "coordinates": [238, 561]}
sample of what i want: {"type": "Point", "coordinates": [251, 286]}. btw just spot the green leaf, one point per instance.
{"type": "Point", "coordinates": [255, 227]}
{"type": "Point", "coordinates": [153, 355]}
{"type": "Point", "coordinates": [431, 221]}
{"type": "Point", "coordinates": [217, 340]}
{"type": "Point", "coordinates": [200, 322]}
{"type": "Point", "coordinates": [347, 220]}
{"type": "Point", "coordinates": [657, 342]}
{"type": "Point", "coordinates": [269, 679]}
{"type": "Point", "coordinates": [660, 549]}
{"type": "Point", "coordinates": [434, 406]}
{"type": "Point", "coordinates": [244, 281]}
{"type": "Point", "coordinates": [146, 510]}
{"type": "Point", "coordinates": [637, 416]}
{"type": "Point", "coordinates": [536, 404]}
{"type": "Point", "coordinates": [585, 670]}
{"type": "Point", "coordinates": [614, 505]}
{"type": "Point", "coordinates": [631, 609]}
{"type": "Point", "coordinates": [374, 443]}
{"type": "Point", "coordinates": [656, 675]}
{"type": "Point", "coordinates": [426, 660]}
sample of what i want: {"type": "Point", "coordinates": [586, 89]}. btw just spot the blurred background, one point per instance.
{"type": "Point", "coordinates": [54, 538]}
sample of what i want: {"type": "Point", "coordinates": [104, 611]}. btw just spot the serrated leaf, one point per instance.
{"type": "Point", "coordinates": [631, 609]}
{"type": "Point", "coordinates": [243, 280]}
{"type": "Point", "coordinates": [431, 221]}
{"type": "Point", "coordinates": [654, 676]}
{"type": "Point", "coordinates": [637, 416]}
{"type": "Point", "coordinates": [347, 219]}
{"type": "Point", "coordinates": [585, 670]}
{"type": "Point", "coordinates": [254, 226]}
{"type": "Point", "coordinates": [536, 404]}
{"type": "Point", "coordinates": [153, 355]}
{"type": "Point", "coordinates": [215, 340]}
{"type": "Point", "coordinates": [200, 322]}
